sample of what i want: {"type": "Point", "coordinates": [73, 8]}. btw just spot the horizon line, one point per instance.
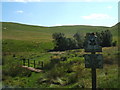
{"type": "Point", "coordinates": [56, 24]}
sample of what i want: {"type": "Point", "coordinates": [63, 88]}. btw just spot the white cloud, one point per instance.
{"type": "Point", "coordinates": [57, 25]}
{"type": "Point", "coordinates": [60, 0]}
{"type": "Point", "coordinates": [19, 11]}
{"type": "Point", "coordinates": [60, 25]}
{"type": "Point", "coordinates": [20, 0]}
{"type": "Point", "coordinates": [97, 16]}
{"type": "Point", "coordinates": [109, 7]}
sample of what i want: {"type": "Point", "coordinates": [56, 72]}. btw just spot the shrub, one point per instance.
{"type": "Point", "coordinates": [105, 38]}
{"type": "Point", "coordinates": [53, 61]}
{"type": "Point", "coordinates": [114, 43]}
{"type": "Point", "coordinates": [16, 70]}
{"type": "Point", "coordinates": [72, 78]}
{"type": "Point", "coordinates": [63, 58]}
{"type": "Point", "coordinates": [57, 71]}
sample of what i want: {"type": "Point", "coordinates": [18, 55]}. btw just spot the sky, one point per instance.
{"type": "Point", "coordinates": [44, 13]}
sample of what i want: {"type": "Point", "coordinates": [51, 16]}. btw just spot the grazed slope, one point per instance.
{"type": "Point", "coordinates": [38, 33]}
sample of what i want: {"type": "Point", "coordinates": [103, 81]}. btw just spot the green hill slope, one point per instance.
{"type": "Point", "coordinates": [38, 33]}
{"type": "Point", "coordinates": [20, 37]}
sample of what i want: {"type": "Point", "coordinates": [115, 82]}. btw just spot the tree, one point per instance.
{"type": "Point", "coordinates": [79, 39]}
{"type": "Point", "coordinates": [59, 40]}
{"type": "Point", "coordinates": [63, 43]}
{"type": "Point", "coordinates": [72, 44]}
{"type": "Point", "coordinates": [105, 38]}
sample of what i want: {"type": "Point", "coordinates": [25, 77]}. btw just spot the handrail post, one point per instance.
{"type": "Point", "coordinates": [34, 63]}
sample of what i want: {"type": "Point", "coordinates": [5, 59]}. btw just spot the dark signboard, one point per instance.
{"type": "Point", "coordinates": [93, 60]}
{"type": "Point", "coordinates": [92, 43]}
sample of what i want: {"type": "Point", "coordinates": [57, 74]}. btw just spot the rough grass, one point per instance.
{"type": "Point", "coordinates": [61, 70]}
{"type": "Point", "coordinates": [70, 73]}
{"type": "Point", "coordinates": [10, 45]}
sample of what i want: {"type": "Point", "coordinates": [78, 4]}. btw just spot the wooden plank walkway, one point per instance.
{"type": "Point", "coordinates": [32, 69]}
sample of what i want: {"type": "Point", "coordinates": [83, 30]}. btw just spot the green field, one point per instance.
{"type": "Point", "coordinates": [33, 42]}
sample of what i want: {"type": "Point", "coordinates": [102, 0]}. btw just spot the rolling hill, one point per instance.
{"type": "Point", "coordinates": [18, 31]}
{"type": "Point", "coordinates": [20, 37]}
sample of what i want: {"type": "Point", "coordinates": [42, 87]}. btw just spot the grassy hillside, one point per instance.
{"type": "Point", "coordinates": [37, 38]}
{"type": "Point", "coordinates": [38, 33]}
{"type": "Point", "coordinates": [61, 69]}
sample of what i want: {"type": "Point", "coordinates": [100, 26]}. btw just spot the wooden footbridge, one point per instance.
{"type": "Point", "coordinates": [32, 65]}
{"type": "Point", "coordinates": [32, 69]}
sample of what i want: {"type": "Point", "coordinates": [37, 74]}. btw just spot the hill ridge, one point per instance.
{"type": "Point", "coordinates": [18, 31]}
{"type": "Point", "coordinates": [52, 26]}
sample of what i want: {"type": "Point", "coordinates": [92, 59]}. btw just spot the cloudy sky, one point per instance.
{"type": "Point", "coordinates": [44, 13]}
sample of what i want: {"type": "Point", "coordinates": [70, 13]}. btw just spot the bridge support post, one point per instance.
{"type": "Point", "coordinates": [34, 63]}
{"type": "Point", "coordinates": [28, 63]}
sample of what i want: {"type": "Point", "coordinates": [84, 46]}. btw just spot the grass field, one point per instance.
{"type": "Point", "coordinates": [37, 33]}
{"type": "Point", "coordinates": [61, 70]}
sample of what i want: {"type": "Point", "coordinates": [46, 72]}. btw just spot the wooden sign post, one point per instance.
{"type": "Point", "coordinates": [93, 60]}
{"type": "Point", "coordinates": [93, 75]}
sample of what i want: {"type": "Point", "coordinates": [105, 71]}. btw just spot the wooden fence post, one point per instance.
{"type": "Point", "coordinates": [28, 62]}
{"type": "Point", "coordinates": [39, 64]}
{"type": "Point", "coordinates": [34, 63]}
{"type": "Point", "coordinates": [24, 62]}
{"type": "Point", "coordinates": [42, 64]}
